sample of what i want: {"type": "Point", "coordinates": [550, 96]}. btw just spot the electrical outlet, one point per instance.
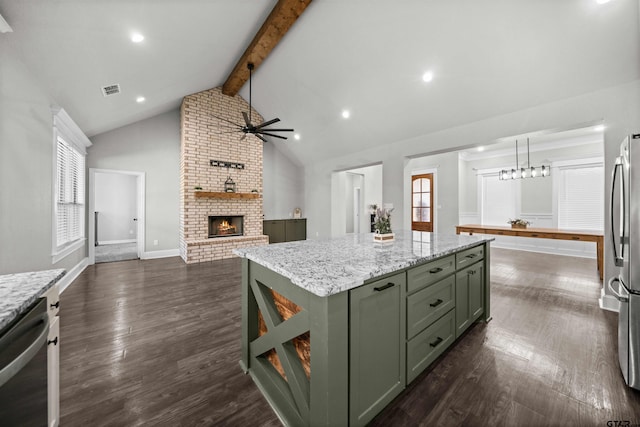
{"type": "Point", "coordinates": [155, 243]}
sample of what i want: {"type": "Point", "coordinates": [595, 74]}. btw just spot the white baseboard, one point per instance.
{"type": "Point", "coordinates": [160, 254]}
{"type": "Point", "coordinates": [608, 302]}
{"type": "Point", "coordinates": [115, 242]}
{"type": "Point", "coordinates": [72, 274]}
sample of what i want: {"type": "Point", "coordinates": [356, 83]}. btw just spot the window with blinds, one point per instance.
{"type": "Point", "coordinates": [70, 165]}
{"type": "Point", "coordinates": [581, 197]}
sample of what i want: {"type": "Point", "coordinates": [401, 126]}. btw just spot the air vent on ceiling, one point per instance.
{"type": "Point", "coordinates": [111, 89]}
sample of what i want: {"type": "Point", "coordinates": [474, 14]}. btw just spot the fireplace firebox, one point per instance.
{"type": "Point", "coordinates": [225, 226]}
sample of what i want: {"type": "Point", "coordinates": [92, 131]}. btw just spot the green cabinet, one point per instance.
{"type": "Point", "coordinates": [377, 356]}
{"type": "Point", "coordinates": [429, 344]}
{"type": "Point", "coordinates": [469, 296]}
{"type": "Point", "coordinates": [295, 229]}
{"type": "Point", "coordinates": [285, 230]}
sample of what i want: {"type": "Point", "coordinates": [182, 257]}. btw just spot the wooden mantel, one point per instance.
{"type": "Point", "coordinates": [541, 233]}
{"type": "Point", "coordinates": [223, 195]}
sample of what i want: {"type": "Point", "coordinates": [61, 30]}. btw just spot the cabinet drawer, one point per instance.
{"type": "Point", "coordinates": [426, 274]}
{"type": "Point", "coordinates": [53, 301]}
{"type": "Point", "coordinates": [469, 256]}
{"type": "Point", "coordinates": [429, 344]}
{"type": "Point", "coordinates": [429, 304]}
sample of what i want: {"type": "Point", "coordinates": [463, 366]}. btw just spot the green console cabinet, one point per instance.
{"type": "Point", "coordinates": [377, 358]}
{"type": "Point", "coordinates": [285, 230]}
{"type": "Point", "coordinates": [469, 296]}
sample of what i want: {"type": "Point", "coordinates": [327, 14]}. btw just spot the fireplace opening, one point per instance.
{"type": "Point", "coordinates": [225, 226]}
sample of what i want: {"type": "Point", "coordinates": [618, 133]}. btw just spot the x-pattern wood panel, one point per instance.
{"type": "Point", "coordinates": [279, 336]}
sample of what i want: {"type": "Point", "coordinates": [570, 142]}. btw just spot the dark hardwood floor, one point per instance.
{"type": "Point", "coordinates": [156, 342]}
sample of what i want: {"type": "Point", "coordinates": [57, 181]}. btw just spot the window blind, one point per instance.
{"type": "Point", "coordinates": [581, 198]}
{"type": "Point", "coordinates": [498, 200]}
{"type": "Point", "coordinates": [69, 194]}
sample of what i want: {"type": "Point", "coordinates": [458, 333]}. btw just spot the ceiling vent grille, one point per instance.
{"type": "Point", "coordinates": [111, 90]}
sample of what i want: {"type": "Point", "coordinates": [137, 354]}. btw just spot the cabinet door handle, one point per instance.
{"type": "Point", "coordinates": [471, 256]}
{"type": "Point", "coordinates": [437, 303]}
{"type": "Point", "coordinates": [472, 272]}
{"type": "Point", "coordinates": [56, 305]}
{"type": "Point", "coordinates": [435, 270]}
{"type": "Point", "coordinates": [436, 342]}
{"type": "Point", "coordinates": [382, 288]}
{"type": "Point", "coordinates": [53, 341]}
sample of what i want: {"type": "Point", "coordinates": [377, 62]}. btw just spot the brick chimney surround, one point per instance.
{"type": "Point", "coordinates": [202, 139]}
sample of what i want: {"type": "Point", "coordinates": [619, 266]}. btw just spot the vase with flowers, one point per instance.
{"type": "Point", "coordinates": [382, 225]}
{"type": "Point", "coordinates": [518, 223]}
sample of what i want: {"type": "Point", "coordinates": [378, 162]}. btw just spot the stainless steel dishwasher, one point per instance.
{"type": "Point", "coordinates": [23, 369]}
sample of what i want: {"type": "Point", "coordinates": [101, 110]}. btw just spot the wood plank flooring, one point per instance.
{"type": "Point", "coordinates": [156, 342]}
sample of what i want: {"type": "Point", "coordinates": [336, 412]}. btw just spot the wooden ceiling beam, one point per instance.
{"type": "Point", "coordinates": [281, 18]}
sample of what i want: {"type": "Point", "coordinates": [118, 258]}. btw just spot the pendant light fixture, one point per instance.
{"type": "Point", "coordinates": [528, 172]}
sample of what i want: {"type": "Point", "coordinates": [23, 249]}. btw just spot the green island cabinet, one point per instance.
{"type": "Point", "coordinates": [285, 230]}
{"type": "Point", "coordinates": [342, 358]}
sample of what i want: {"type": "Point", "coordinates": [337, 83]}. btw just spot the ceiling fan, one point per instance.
{"type": "Point", "coordinates": [249, 128]}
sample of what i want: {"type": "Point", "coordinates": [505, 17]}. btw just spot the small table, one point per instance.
{"type": "Point", "coordinates": [541, 233]}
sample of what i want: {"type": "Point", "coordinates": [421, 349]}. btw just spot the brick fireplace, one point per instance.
{"type": "Point", "coordinates": [203, 140]}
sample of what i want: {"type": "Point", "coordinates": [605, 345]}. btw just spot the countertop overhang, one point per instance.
{"type": "Point", "coordinates": [19, 291]}
{"type": "Point", "coordinates": [331, 265]}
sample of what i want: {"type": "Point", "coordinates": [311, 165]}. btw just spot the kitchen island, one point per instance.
{"type": "Point", "coordinates": [334, 329]}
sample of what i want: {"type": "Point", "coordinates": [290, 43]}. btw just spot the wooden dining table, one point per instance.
{"type": "Point", "coordinates": [541, 233]}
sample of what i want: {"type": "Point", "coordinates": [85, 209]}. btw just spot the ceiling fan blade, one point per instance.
{"type": "Point", "coordinates": [246, 119]}
{"type": "Point", "coordinates": [244, 135]}
{"type": "Point", "coordinates": [274, 135]}
{"type": "Point", "coordinates": [270, 122]}
{"type": "Point", "coordinates": [261, 137]}
{"type": "Point", "coordinates": [276, 130]}
{"type": "Point", "coordinates": [225, 120]}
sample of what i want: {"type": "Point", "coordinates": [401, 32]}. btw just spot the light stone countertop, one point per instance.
{"type": "Point", "coordinates": [331, 265]}
{"type": "Point", "coordinates": [19, 291]}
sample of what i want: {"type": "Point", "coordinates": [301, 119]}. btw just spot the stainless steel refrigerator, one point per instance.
{"type": "Point", "coordinates": [625, 236]}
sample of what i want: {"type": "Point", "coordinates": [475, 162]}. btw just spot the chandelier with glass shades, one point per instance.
{"type": "Point", "coordinates": [528, 172]}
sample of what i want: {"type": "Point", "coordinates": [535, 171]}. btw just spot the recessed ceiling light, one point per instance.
{"type": "Point", "coordinates": [427, 77]}
{"type": "Point", "coordinates": [599, 128]}
{"type": "Point", "coordinates": [140, 99]}
{"type": "Point", "coordinates": [346, 114]}
{"type": "Point", "coordinates": [480, 148]}
{"type": "Point", "coordinates": [137, 37]}
{"type": "Point", "coordinates": [296, 137]}
{"type": "Point", "coordinates": [602, 1]}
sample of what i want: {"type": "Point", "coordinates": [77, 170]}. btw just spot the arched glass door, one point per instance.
{"type": "Point", "coordinates": [422, 202]}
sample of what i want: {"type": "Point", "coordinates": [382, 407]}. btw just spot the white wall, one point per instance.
{"type": "Point", "coordinates": [283, 182]}
{"type": "Point", "coordinates": [115, 202]}
{"type": "Point", "coordinates": [26, 171]}
{"type": "Point", "coordinates": [445, 200]}
{"type": "Point", "coordinates": [151, 146]}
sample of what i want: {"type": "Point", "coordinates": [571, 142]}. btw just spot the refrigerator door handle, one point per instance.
{"type": "Point", "coordinates": [619, 261]}
{"type": "Point", "coordinates": [616, 292]}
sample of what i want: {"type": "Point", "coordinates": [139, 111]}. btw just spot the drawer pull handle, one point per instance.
{"type": "Point", "coordinates": [382, 288]}
{"type": "Point", "coordinates": [53, 341]}
{"type": "Point", "coordinates": [437, 303]}
{"type": "Point", "coordinates": [56, 305]}
{"type": "Point", "coordinates": [472, 272]}
{"type": "Point", "coordinates": [435, 270]}
{"type": "Point", "coordinates": [575, 238]}
{"type": "Point", "coordinates": [436, 342]}
{"type": "Point", "coordinates": [471, 256]}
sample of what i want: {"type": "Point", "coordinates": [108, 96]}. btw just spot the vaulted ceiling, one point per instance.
{"type": "Point", "coordinates": [368, 56]}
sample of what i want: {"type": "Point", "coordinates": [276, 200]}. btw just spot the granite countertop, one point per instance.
{"type": "Point", "coordinates": [328, 266]}
{"type": "Point", "coordinates": [19, 291]}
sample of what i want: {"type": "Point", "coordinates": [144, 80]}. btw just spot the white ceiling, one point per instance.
{"type": "Point", "coordinates": [488, 58]}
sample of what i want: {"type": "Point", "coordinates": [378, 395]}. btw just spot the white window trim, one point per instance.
{"type": "Point", "coordinates": [480, 174]}
{"type": "Point", "coordinates": [65, 128]}
{"type": "Point", "coordinates": [568, 164]}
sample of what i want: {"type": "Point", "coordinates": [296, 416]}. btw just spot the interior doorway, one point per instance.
{"type": "Point", "coordinates": [116, 215]}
